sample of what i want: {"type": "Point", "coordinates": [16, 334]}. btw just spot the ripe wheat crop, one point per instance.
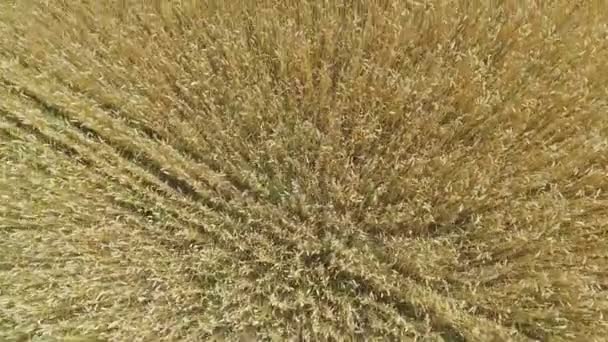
{"type": "Point", "coordinates": [304, 170]}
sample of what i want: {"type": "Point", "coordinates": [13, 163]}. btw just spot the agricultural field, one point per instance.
{"type": "Point", "coordinates": [303, 170]}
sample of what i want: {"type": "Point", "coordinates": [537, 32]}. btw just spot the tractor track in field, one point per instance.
{"type": "Point", "coordinates": [388, 297]}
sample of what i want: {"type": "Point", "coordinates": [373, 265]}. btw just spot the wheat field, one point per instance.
{"type": "Point", "coordinates": [303, 170]}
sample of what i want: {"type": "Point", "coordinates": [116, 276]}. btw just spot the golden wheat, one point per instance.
{"type": "Point", "coordinates": [307, 170]}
